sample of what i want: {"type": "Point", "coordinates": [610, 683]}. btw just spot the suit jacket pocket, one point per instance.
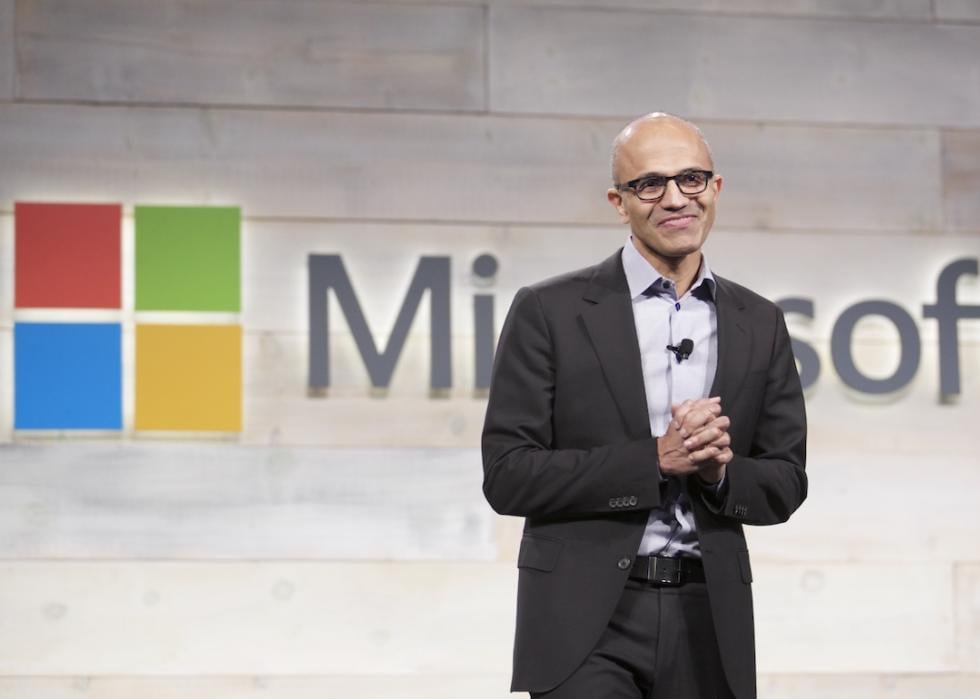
{"type": "Point", "coordinates": [743, 566]}
{"type": "Point", "coordinates": [538, 553]}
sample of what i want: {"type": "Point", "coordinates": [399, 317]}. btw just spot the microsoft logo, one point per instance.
{"type": "Point", "coordinates": [98, 309]}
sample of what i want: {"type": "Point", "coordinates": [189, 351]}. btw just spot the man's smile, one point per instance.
{"type": "Point", "coordinates": [682, 221]}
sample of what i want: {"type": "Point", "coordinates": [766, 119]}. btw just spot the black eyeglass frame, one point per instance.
{"type": "Point", "coordinates": [631, 185]}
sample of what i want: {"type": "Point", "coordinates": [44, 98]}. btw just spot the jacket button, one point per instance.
{"type": "Point", "coordinates": [632, 500]}
{"type": "Point", "coordinates": [624, 563]}
{"type": "Point", "coordinates": [612, 502]}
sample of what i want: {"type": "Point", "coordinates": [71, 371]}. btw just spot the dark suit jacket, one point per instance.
{"type": "Point", "coordinates": [567, 445]}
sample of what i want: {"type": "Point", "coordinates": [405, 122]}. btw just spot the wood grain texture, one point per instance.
{"type": "Point", "coordinates": [967, 591]}
{"type": "Point", "coordinates": [258, 52]}
{"type": "Point", "coordinates": [442, 168]}
{"type": "Point", "coordinates": [957, 10]}
{"type": "Point", "coordinates": [159, 500]}
{"type": "Point", "coordinates": [838, 178]}
{"type": "Point", "coordinates": [854, 617]}
{"type": "Point", "coordinates": [6, 326]}
{"type": "Point", "coordinates": [6, 385]}
{"type": "Point", "coordinates": [256, 618]}
{"type": "Point", "coordinates": [6, 271]}
{"type": "Point", "coordinates": [840, 521]}
{"type": "Point", "coordinates": [916, 10]}
{"type": "Point", "coordinates": [476, 686]}
{"type": "Point", "coordinates": [900, 685]}
{"type": "Point", "coordinates": [300, 164]}
{"type": "Point", "coordinates": [719, 67]}
{"type": "Point", "coordinates": [341, 546]}
{"type": "Point", "coordinates": [251, 686]}
{"type": "Point", "coordinates": [8, 53]}
{"type": "Point", "coordinates": [351, 418]}
{"type": "Point", "coordinates": [136, 618]}
{"type": "Point", "coordinates": [961, 180]}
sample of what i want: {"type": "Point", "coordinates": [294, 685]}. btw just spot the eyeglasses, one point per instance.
{"type": "Point", "coordinates": [653, 187]}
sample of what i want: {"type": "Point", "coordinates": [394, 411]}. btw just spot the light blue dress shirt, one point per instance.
{"type": "Point", "coordinates": [664, 319]}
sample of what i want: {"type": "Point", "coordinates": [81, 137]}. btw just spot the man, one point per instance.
{"type": "Point", "coordinates": [641, 411]}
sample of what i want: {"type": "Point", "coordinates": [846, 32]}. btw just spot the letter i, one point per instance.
{"type": "Point", "coordinates": [484, 270]}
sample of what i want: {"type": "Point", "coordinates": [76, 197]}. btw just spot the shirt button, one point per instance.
{"type": "Point", "coordinates": [677, 306]}
{"type": "Point", "coordinates": [624, 563]}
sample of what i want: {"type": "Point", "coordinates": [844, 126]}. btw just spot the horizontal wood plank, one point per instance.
{"type": "Point", "coordinates": [8, 52]}
{"type": "Point", "coordinates": [861, 491]}
{"type": "Point", "coordinates": [913, 10]}
{"type": "Point", "coordinates": [6, 270]}
{"type": "Point", "coordinates": [901, 685]}
{"type": "Point", "coordinates": [423, 686]}
{"type": "Point", "coordinates": [957, 10]}
{"type": "Point", "coordinates": [452, 168]}
{"type": "Point", "coordinates": [723, 67]}
{"type": "Point", "coordinates": [474, 686]}
{"type": "Point", "coordinates": [864, 9]}
{"type": "Point", "coordinates": [256, 618]}
{"type": "Point", "coordinates": [159, 500]}
{"type": "Point", "coordinates": [258, 52]}
{"type": "Point", "coordinates": [854, 618]}
{"type": "Point", "coordinates": [961, 180]}
{"type": "Point", "coordinates": [6, 385]}
{"type": "Point", "coordinates": [967, 611]}
{"type": "Point", "coordinates": [381, 619]}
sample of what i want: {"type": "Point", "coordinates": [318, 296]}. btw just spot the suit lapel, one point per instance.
{"type": "Point", "coordinates": [609, 323]}
{"type": "Point", "coordinates": [608, 319]}
{"type": "Point", "coordinates": [734, 343]}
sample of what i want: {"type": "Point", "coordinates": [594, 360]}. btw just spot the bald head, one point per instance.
{"type": "Point", "coordinates": [654, 132]}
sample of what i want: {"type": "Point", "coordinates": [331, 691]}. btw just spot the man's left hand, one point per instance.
{"type": "Point", "coordinates": [709, 448]}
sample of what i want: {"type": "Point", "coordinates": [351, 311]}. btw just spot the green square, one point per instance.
{"type": "Point", "coordinates": [188, 258]}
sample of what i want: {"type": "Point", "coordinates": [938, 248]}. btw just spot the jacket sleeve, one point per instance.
{"type": "Point", "coordinates": [525, 474]}
{"type": "Point", "coordinates": [767, 484]}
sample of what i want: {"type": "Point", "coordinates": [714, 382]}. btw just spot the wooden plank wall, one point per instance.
{"type": "Point", "coordinates": [341, 546]}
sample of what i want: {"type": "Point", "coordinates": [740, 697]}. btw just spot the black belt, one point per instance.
{"type": "Point", "coordinates": [658, 570]}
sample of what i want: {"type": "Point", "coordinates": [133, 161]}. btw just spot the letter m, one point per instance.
{"type": "Point", "coordinates": [327, 272]}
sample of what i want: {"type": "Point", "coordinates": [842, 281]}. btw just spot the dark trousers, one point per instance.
{"type": "Point", "coordinates": [660, 644]}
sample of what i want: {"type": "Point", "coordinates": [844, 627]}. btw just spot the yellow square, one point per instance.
{"type": "Point", "coordinates": [189, 377]}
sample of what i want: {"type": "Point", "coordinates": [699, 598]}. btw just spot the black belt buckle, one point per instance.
{"type": "Point", "coordinates": [665, 571]}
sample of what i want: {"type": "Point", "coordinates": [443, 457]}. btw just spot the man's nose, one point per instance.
{"type": "Point", "coordinates": [673, 197]}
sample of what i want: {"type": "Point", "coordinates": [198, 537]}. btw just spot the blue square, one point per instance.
{"type": "Point", "coordinates": [67, 376]}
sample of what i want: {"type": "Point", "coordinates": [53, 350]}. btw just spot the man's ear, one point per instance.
{"type": "Point", "coordinates": [616, 199]}
{"type": "Point", "coordinates": [717, 182]}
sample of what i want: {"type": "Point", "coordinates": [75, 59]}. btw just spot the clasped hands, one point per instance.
{"type": "Point", "coordinates": [696, 441]}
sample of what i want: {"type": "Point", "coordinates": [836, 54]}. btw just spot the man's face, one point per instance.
{"type": "Point", "coordinates": [676, 225]}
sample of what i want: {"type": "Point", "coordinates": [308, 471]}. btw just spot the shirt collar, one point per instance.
{"type": "Point", "coordinates": [641, 275]}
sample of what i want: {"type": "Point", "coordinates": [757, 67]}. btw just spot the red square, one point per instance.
{"type": "Point", "coordinates": [67, 255]}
